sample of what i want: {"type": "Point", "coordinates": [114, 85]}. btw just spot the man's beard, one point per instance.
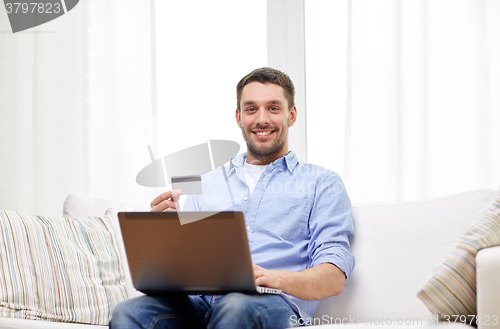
{"type": "Point", "coordinates": [273, 149]}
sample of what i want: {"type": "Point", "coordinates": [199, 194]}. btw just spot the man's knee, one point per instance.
{"type": "Point", "coordinates": [125, 313]}
{"type": "Point", "coordinates": [137, 312]}
{"type": "Point", "coordinates": [233, 310]}
{"type": "Point", "coordinates": [237, 303]}
{"type": "Point", "coordinates": [249, 311]}
{"type": "Point", "coordinates": [152, 312]}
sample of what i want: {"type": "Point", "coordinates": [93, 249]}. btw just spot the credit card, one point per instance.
{"type": "Point", "coordinates": [187, 184]}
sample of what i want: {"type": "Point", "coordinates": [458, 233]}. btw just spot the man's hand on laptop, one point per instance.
{"type": "Point", "coordinates": [266, 278]}
{"type": "Point", "coordinates": [167, 201]}
{"type": "Point", "coordinates": [314, 283]}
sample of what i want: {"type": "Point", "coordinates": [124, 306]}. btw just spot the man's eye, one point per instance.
{"type": "Point", "coordinates": [250, 109]}
{"type": "Point", "coordinates": [274, 108]}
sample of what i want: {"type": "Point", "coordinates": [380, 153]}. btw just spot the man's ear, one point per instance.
{"type": "Point", "coordinates": [292, 116]}
{"type": "Point", "coordinates": [238, 117]}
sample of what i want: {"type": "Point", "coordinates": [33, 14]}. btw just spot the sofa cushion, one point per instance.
{"type": "Point", "coordinates": [396, 246]}
{"type": "Point", "coordinates": [77, 205]}
{"type": "Point", "coordinates": [59, 269]}
{"type": "Point", "coordinates": [451, 288]}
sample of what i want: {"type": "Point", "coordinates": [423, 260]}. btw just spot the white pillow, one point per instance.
{"type": "Point", "coordinates": [59, 269]}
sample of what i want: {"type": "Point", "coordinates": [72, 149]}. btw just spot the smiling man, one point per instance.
{"type": "Point", "coordinates": [298, 217]}
{"type": "Point", "coordinates": [264, 116]}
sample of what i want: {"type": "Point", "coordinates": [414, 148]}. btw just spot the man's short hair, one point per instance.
{"type": "Point", "coordinates": [268, 74]}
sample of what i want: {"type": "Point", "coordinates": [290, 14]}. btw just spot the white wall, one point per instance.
{"type": "Point", "coordinates": [42, 114]}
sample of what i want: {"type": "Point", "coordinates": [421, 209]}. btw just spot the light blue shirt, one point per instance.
{"type": "Point", "coordinates": [298, 216]}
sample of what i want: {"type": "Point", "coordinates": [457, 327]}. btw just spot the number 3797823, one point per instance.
{"type": "Point", "coordinates": [33, 8]}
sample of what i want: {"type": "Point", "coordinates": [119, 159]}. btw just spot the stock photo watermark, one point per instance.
{"type": "Point", "coordinates": [381, 321]}
{"type": "Point", "coordinates": [24, 15]}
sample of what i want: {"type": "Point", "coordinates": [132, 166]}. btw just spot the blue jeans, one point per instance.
{"type": "Point", "coordinates": [234, 310]}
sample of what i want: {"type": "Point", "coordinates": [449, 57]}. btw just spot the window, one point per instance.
{"type": "Point", "coordinates": [203, 50]}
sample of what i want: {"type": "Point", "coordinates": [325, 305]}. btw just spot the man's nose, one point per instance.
{"type": "Point", "coordinates": [263, 117]}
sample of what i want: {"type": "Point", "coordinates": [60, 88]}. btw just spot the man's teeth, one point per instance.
{"type": "Point", "coordinates": [262, 133]}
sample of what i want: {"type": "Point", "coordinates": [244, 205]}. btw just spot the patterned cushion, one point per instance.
{"type": "Point", "coordinates": [59, 269]}
{"type": "Point", "coordinates": [451, 288]}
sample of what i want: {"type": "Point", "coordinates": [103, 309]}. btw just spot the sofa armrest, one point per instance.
{"type": "Point", "coordinates": [76, 206]}
{"type": "Point", "coordinates": [488, 287]}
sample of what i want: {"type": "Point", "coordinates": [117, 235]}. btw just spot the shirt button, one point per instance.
{"type": "Point", "coordinates": [248, 228]}
{"type": "Point", "coordinates": [245, 198]}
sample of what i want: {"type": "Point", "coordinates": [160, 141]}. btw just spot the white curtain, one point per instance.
{"type": "Point", "coordinates": [78, 101]}
{"type": "Point", "coordinates": [121, 97]}
{"type": "Point", "coordinates": [202, 53]}
{"type": "Point", "coordinates": [72, 94]}
{"type": "Point", "coordinates": [422, 112]}
{"type": "Point", "coordinates": [42, 114]}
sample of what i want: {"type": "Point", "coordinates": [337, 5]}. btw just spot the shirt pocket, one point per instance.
{"type": "Point", "coordinates": [289, 219]}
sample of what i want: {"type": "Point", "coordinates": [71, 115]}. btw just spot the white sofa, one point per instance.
{"type": "Point", "coordinates": [396, 246]}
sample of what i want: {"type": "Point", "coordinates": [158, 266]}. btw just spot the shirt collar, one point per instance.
{"type": "Point", "coordinates": [291, 160]}
{"type": "Point", "coordinates": [288, 161]}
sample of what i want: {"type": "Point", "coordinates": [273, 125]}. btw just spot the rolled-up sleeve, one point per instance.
{"type": "Point", "coordinates": [331, 225]}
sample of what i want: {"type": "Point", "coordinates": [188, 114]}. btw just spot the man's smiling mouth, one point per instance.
{"type": "Point", "coordinates": [263, 133]}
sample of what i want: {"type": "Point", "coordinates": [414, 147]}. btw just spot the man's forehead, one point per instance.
{"type": "Point", "coordinates": [258, 91]}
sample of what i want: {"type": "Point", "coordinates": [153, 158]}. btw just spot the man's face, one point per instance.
{"type": "Point", "coordinates": [264, 120]}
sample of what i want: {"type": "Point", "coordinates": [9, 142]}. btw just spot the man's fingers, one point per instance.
{"type": "Point", "coordinates": [160, 198]}
{"type": "Point", "coordinates": [176, 195]}
{"type": "Point", "coordinates": [262, 280]}
{"type": "Point", "coordinates": [168, 199]}
{"type": "Point", "coordinates": [165, 204]}
{"type": "Point", "coordinates": [265, 277]}
{"type": "Point", "coordinates": [257, 269]}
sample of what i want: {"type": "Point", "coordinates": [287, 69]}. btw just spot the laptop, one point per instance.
{"type": "Point", "coordinates": [206, 257]}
